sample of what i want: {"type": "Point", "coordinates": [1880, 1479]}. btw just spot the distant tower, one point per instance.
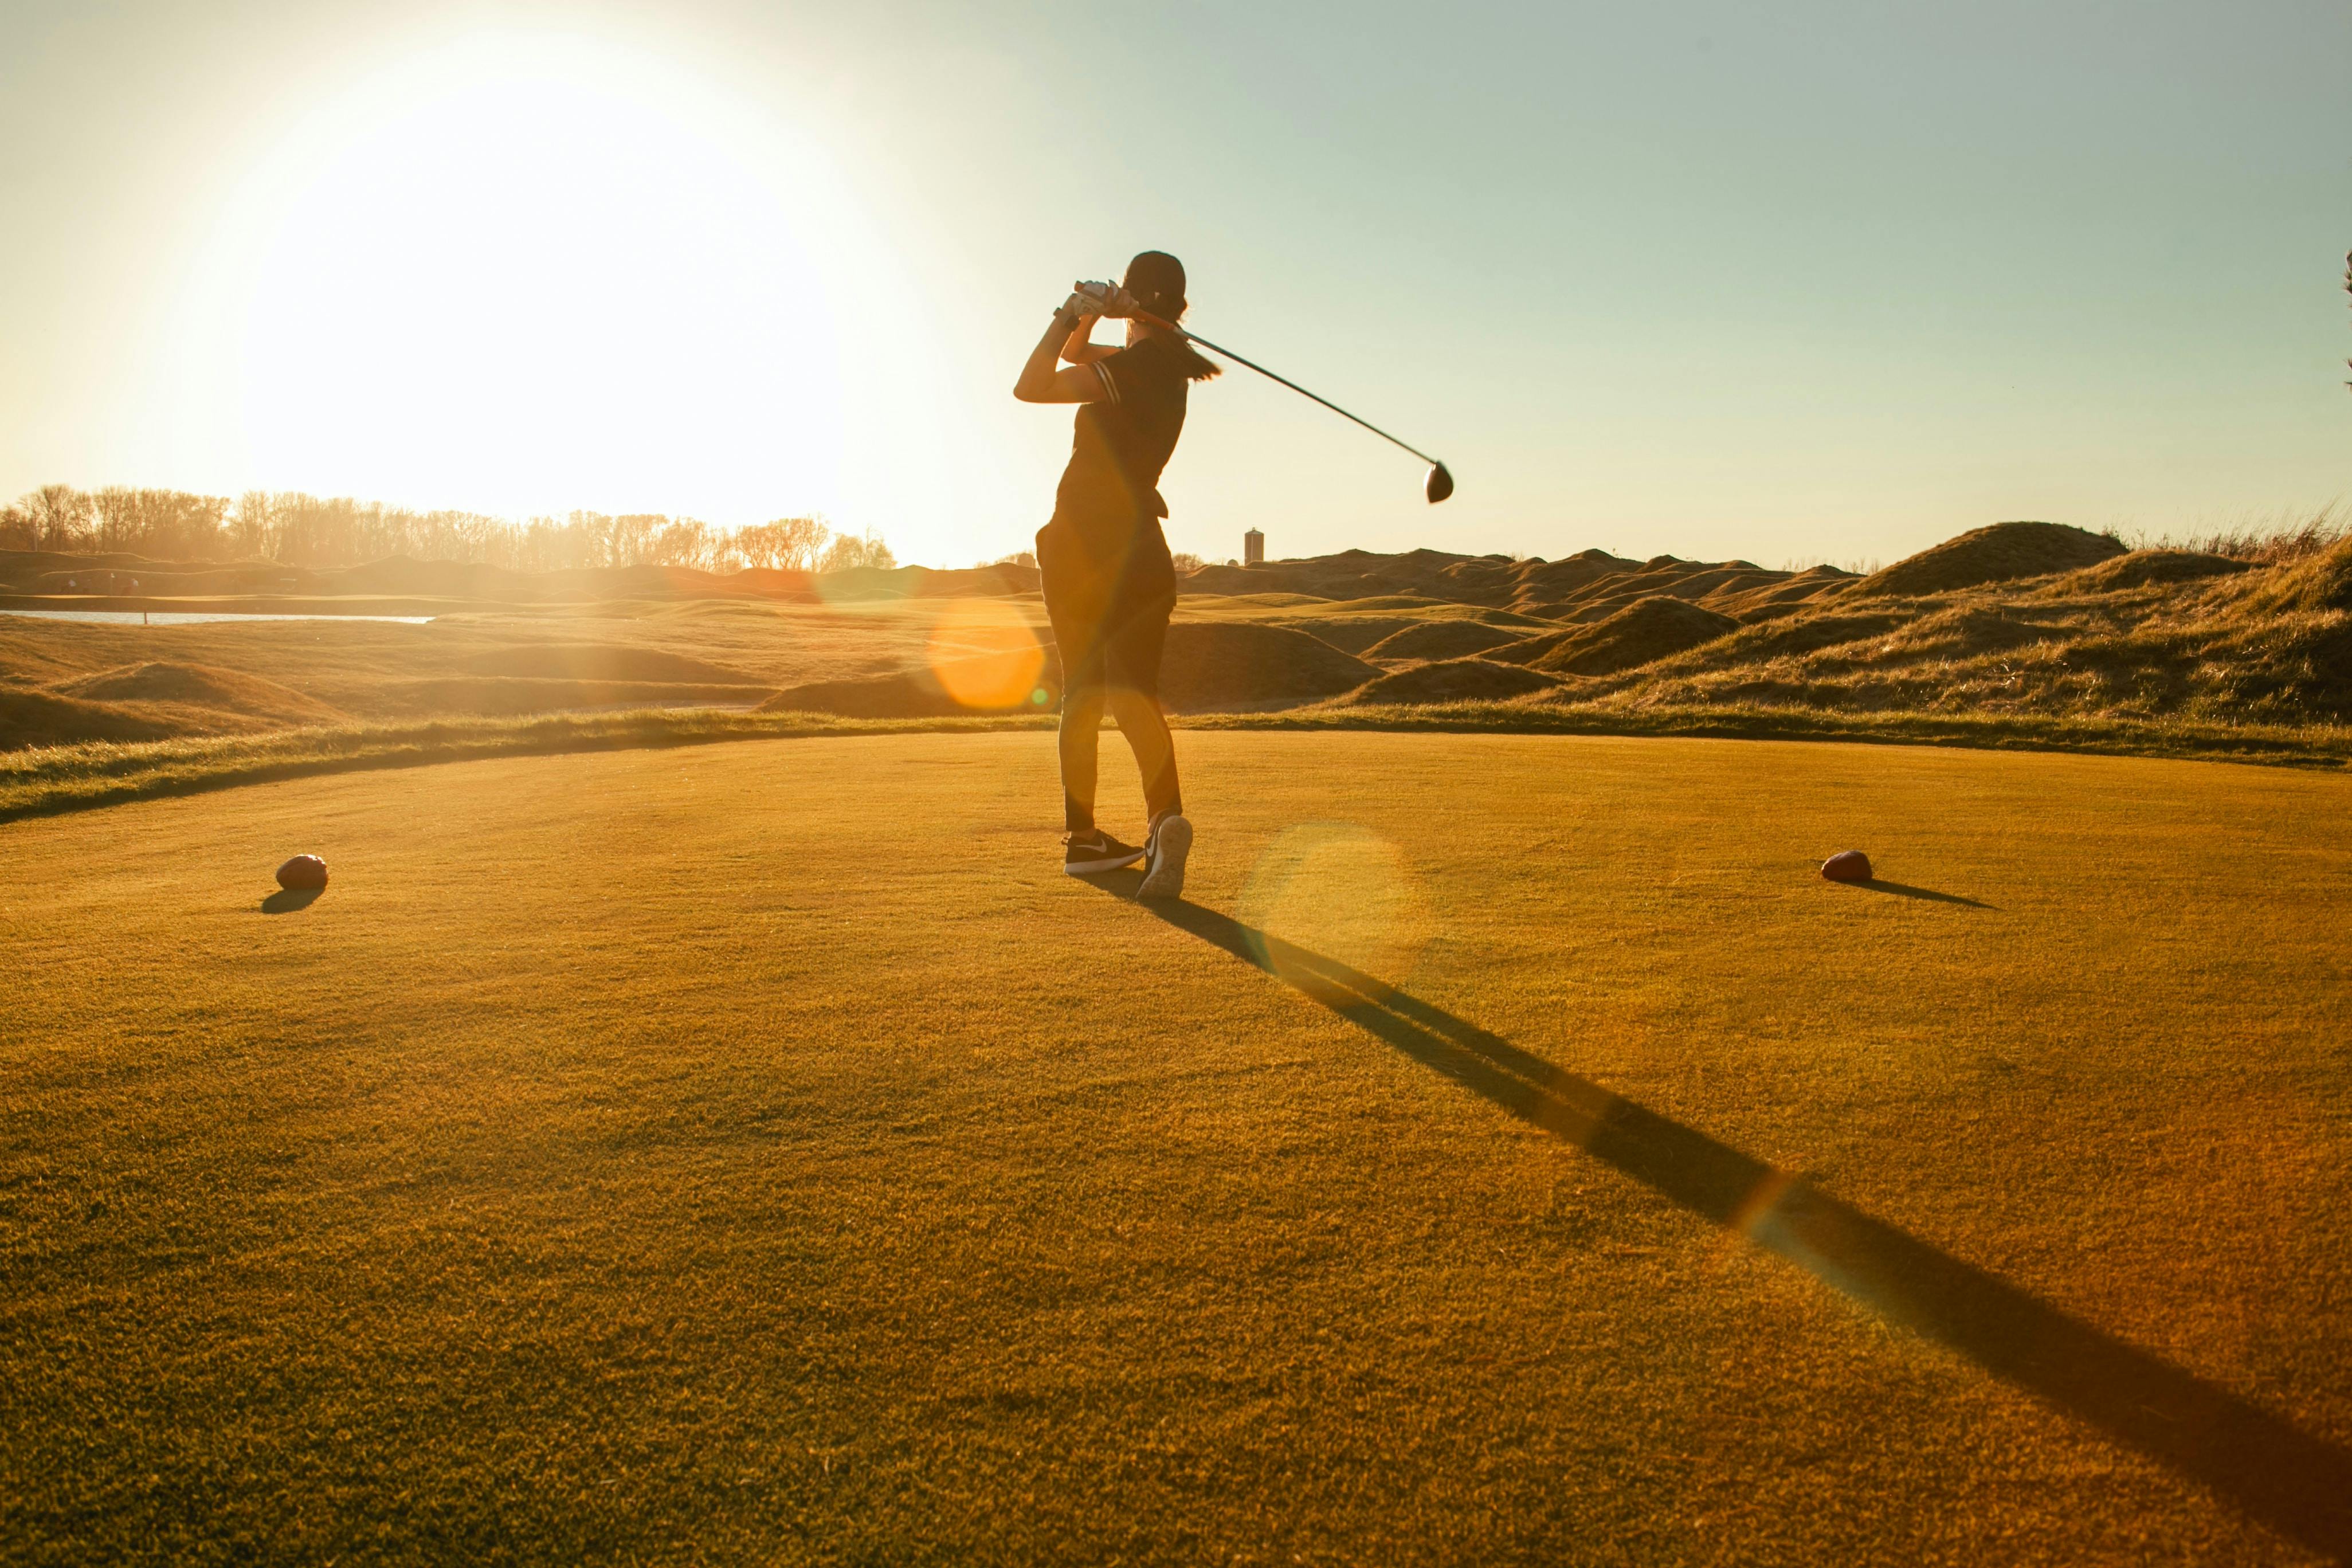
{"type": "Point", "coordinates": [1253, 548]}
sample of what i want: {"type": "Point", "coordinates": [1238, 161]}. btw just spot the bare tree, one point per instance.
{"type": "Point", "coordinates": [61, 517]}
{"type": "Point", "coordinates": [848, 551]}
{"type": "Point", "coordinates": [314, 530]}
{"type": "Point", "coordinates": [248, 526]}
{"type": "Point", "coordinates": [159, 523]}
{"type": "Point", "coordinates": [117, 507]}
{"type": "Point", "coordinates": [786, 544]}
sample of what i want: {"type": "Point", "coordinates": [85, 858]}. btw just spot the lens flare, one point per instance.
{"type": "Point", "coordinates": [984, 654]}
{"type": "Point", "coordinates": [1340, 892]}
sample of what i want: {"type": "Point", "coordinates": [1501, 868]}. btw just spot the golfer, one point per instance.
{"type": "Point", "coordinates": [1110, 584]}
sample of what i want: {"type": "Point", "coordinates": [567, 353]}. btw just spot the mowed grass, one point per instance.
{"type": "Point", "coordinates": [763, 1152]}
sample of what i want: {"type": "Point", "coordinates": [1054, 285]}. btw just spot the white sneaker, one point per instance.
{"type": "Point", "coordinates": [1163, 858]}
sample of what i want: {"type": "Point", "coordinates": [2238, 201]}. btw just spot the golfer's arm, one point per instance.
{"type": "Point", "coordinates": [1078, 350]}
{"type": "Point", "coordinates": [1041, 381]}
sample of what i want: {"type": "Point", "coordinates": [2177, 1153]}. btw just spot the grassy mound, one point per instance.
{"type": "Point", "coordinates": [606, 661]}
{"type": "Point", "coordinates": [1969, 631]}
{"type": "Point", "coordinates": [1209, 668]}
{"type": "Point", "coordinates": [512, 696]}
{"type": "Point", "coordinates": [1590, 584]}
{"type": "Point", "coordinates": [154, 701]}
{"type": "Point", "coordinates": [1442, 639]}
{"type": "Point", "coordinates": [1235, 667]}
{"type": "Point", "coordinates": [202, 686]}
{"type": "Point", "coordinates": [1762, 645]}
{"type": "Point", "coordinates": [31, 718]}
{"type": "Point", "coordinates": [1642, 633]}
{"type": "Point", "coordinates": [2318, 583]}
{"type": "Point", "coordinates": [153, 581]}
{"type": "Point", "coordinates": [2151, 568]}
{"type": "Point", "coordinates": [1356, 635]}
{"type": "Point", "coordinates": [2240, 630]}
{"type": "Point", "coordinates": [1453, 681]}
{"type": "Point", "coordinates": [2000, 554]}
{"type": "Point", "coordinates": [929, 692]}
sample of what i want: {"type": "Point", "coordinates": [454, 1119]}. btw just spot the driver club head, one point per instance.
{"type": "Point", "coordinates": [1440, 484]}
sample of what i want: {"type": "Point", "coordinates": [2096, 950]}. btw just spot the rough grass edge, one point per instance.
{"type": "Point", "coordinates": [50, 781]}
{"type": "Point", "coordinates": [2274, 745]}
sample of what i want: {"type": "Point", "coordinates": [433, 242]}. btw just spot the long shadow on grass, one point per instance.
{"type": "Point", "coordinates": [1905, 890]}
{"type": "Point", "coordinates": [2287, 1479]}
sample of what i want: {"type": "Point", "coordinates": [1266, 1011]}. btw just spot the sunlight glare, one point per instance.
{"type": "Point", "coordinates": [1339, 891]}
{"type": "Point", "coordinates": [529, 273]}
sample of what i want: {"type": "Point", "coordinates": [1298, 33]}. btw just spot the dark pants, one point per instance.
{"type": "Point", "coordinates": [1109, 610]}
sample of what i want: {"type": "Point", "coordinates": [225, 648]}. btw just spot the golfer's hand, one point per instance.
{"type": "Point", "coordinates": [1078, 309]}
{"type": "Point", "coordinates": [1105, 300]}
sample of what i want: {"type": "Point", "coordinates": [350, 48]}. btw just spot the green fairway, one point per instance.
{"type": "Point", "coordinates": [1512, 1152]}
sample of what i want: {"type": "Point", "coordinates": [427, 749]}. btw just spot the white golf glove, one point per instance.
{"type": "Point", "coordinates": [1104, 299]}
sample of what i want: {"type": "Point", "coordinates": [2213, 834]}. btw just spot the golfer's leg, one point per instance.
{"type": "Point", "coordinates": [1073, 604]}
{"type": "Point", "coordinates": [1082, 714]}
{"type": "Point", "coordinates": [1146, 728]}
{"type": "Point", "coordinates": [1133, 658]}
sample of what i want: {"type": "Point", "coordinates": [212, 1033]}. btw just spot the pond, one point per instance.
{"type": "Point", "coordinates": [187, 618]}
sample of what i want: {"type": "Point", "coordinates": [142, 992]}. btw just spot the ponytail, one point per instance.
{"type": "Point", "coordinates": [1157, 281]}
{"type": "Point", "coordinates": [1195, 365]}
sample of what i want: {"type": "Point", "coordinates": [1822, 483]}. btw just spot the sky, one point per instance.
{"type": "Point", "coordinates": [1814, 281]}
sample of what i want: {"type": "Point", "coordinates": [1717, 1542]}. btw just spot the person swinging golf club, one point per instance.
{"type": "Point", "coordinates": [1109, 583]}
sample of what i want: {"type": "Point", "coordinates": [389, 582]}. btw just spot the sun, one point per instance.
{"type": "Point", "coordinates": [521, 273]}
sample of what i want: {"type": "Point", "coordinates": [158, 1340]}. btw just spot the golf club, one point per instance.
{"type": "Point", "coordinates": [1438, 487]}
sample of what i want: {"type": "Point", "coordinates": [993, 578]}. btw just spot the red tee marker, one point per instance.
{"type": "Point", "coordinates": [1845, 866]}
{"type": "Point", "coordinates": [302, 873]}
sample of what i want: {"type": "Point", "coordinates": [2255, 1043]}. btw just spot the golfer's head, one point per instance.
{"type": "Point", "coordinates": [1157, 281]}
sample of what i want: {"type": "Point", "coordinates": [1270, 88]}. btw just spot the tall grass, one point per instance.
{"type": "Point", "coordinates": [2266, 541]}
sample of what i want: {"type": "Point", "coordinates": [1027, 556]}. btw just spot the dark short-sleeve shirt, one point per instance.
{"type": "Point", "coordinates": [1122, 443]}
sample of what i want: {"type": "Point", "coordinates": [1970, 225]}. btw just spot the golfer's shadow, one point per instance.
{"type": "Point", "coordinates": [2299, 1484]}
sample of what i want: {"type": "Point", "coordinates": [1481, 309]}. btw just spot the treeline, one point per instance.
{"type": "Point", "coordinates": [307, 530]}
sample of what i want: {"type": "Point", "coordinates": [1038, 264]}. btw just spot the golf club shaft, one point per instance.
{"type": "Point", "coordinates": [1214, 348]}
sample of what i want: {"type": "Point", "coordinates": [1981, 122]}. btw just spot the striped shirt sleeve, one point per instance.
{"type": "Point", "coordinates": [1110, 384]}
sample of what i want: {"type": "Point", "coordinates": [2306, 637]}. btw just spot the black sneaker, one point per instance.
{"type": "Point", "coordinates": [1164, 870]}
{"type": "Point", "coordinates": [1090, 854]}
